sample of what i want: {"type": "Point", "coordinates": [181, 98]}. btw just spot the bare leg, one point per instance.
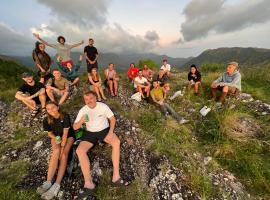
{"type": "Point", "coordinates": [81, 151]}
{"type": "Point", "coordinates": [196, 87]}
{"type": "Point", "coordinates": [102, 93]}
{"type": "Point", "coordinates": [110, 83]}
{"type": "Point", "coordinates": [113, 140]}
{"type": "Point", "coordinates": [140, 91]}
{"type": "Point", "coordinates": [75, 82]}
{"type": "Point", "coordinates": [50, 94]}
{"type": "Point", "coordinates": [63, 160]}
{"type": "Point", "coordinates": [115, 84]}
{"type": "Point", "coordinates": [53, 160]}
{"type": "Point", "coordinates": [42, 99]}
{"type": "Point", "coordinates": [63, 98]}
{"type": "Point", "coordinates": [28, 102]}
{"type": "Point", "coordinates": [95, 88]}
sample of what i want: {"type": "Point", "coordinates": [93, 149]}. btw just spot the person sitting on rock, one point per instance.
{"type": "Point", "coordinates": [100, 123]}
{"type": "Point", "coordinates": [132, 72]}
{"type": "Point", "coordinates": [228, 82]}
{"type": "Point", "coordinates": [142, 85]}
{"type": "Point", "coordinates": [94, 79]}
{"type": "Point", "coordinates": [63, 49]}
{"type": "Point", "coordinates": [57, 87]}
{"type": "Point", "coordinates": [158, 96]}
{"type": "Point", "coordinates": [147, 73]}
{"type": "Point", "coordinates": [166, 67]}
{"type": "Point", "coordinates": [31, 93]}
{"type": "Point", "coordinates": [194, 79]}
{"type": "Point", "coordinates": [161, 77]}
{"type": "Point", "coordinates": [61, 134]}
{"type": "Point", "coordinates": [112, 79]}
{"type": "Point", "coordinates": [43, 62]}
{"type": "Point", "coordinates": [70, 71]}
{"type": "Point", "coordinates": [166, 88]}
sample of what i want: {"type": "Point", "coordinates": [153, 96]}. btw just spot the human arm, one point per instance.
{"type": "Point", "coordinates": [60, 67]}
{"type": "Point", "coordinates": [42, 90]}
{"type": "Point", "coordinates": [79, 121]}
{"type": "Point", "coordinates": [235, 83]}
{"type": "Point", "coordinates": [36, 35]}
{"type": "Point", "coordinates": [77, 44]}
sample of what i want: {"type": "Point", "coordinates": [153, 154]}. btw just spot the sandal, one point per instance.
{"type": "Point", "coordinates": [119, 183]}
{"type": "Point", "coordinates": [34, 112]}
{"type": "Point", "coordinates": [85, 192]}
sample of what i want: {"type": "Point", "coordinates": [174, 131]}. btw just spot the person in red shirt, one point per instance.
{"type": "Point", "coordinates": [132, 72]}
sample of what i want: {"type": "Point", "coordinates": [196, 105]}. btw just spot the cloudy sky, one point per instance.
{"type": "Point", "coordinates": [177, 28]}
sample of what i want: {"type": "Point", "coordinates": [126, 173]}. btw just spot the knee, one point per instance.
{"type": "Point", "coordinates": [225, 89]}
{"type": "Point", "coordinates": [80, 151]}
{"type": "Point", "coordinates": [48, 90]}
{"type": "Point", "coordinates": [116, 142]}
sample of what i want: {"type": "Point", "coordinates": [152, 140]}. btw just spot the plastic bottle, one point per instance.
{"type": "Point", "coordinates": [205, 110]}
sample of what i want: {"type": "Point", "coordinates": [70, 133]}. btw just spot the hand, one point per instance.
{"type": "Point", "coordinates": [36, 35]}
{"type": "Point", "coordinates": [42, 70]}
{"type": "Point", "coordinates": [83, 119]}
{"type": "Point", "coordinates": [160, 103]}
{"type": "Point", "coordinates": [28, 97]}
{"type": "Point", "coordinates": [59, 58]}
{"type": "Point", "coordinates": [81, 57]}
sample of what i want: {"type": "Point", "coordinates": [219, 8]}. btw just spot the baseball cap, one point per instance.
{"type": "Point", "coordinates": [26, 74]}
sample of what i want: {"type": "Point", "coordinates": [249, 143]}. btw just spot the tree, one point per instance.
{"type": "Point", "coordinates": [150, 63]}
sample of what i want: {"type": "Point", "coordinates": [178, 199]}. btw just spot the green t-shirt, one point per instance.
{"type": "Point", "coordinates": [59, 84]}
{"type": "Point", "coordinates": [157, 93]}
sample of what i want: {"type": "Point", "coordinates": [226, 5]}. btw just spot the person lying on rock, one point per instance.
{"type": "Point", "coordinates": [158, 95]}
{"type": "Point", "coordinates": [61, 134]}
{"type": "Point", "coordinates": [112, 79]}
{"type": "Point", "coordinates": [132, 72]}
{"type": "Point", "coordinates": [142, 85]}
{"type": "Point", "coordinates": [31, 93]}
{"type": "Point", "coordinates": [228, 82]}
{"type": "Point", "coordinates": [95, 82]}
{"type": "Point", "coordinates": [57, 87]}
{"type": "Point", "coordinates": [194, 79]}
{"type": "Point", "coordinates": [70, 71]}
{"type": "Point", "coordinates": [100, 124]}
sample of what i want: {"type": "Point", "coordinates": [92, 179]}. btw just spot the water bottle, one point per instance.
{"type": "Point", "coordinates": [58, 139]}
{"type": "Point", "coordinates": [84, 124]}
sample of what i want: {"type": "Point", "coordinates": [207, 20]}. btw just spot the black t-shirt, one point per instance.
{"type": "Point", "coordinates": [58, 125]}
{"type": "Point", "coordinates": [196, 77]}
{"type": "Point", "coordinates": [31, 89]}
{"type": "Point", "coordinates": [91, 52]}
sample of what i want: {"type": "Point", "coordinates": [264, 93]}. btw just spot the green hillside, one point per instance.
{"type": "Point", "coordinates": [245, 56]}
{"type": "Point", "coordinates": [10, 77]}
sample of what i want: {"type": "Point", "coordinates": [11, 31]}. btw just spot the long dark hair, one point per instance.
{"type": "Point", "coordinates": [51, 118]}
{"type": "Point", "coordinates": [36, 51]}
{"type": "Point", "coordinates": [193, 66]}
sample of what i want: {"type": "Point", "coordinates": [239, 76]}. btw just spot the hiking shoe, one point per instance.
{"type": "Point", "coordinates": [45, 186]}
{"type": "Point", "coordinates": [52, 192]}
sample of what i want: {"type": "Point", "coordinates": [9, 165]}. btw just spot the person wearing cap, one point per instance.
{"type": "Point", "coordinates": [63, 49]}
{"type": "Point", "coordinates": [31, 93]}
{"type": "Point", "coordinates": [166, 67]}
{"type": "Point", "coordinates": [228, 82]}
{"type": "Point", "coordinates": [57, 87]}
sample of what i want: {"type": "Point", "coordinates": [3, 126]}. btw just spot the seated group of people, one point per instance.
{"type": "Point", "coordinates": [96, 119]}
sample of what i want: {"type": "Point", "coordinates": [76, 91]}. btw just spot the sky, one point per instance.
{"type": "Point", "coordinates": [177, 28]}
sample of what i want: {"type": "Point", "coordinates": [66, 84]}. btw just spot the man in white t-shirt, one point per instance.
{"type": "Point", "coordinates": [100, 123]}
{"type": "Point", "coordinates": [142, 85]}
{"type": "Point", "coordinates": [166, 67]}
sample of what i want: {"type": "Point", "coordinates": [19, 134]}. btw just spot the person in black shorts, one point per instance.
{"type": "Point", "coordinates": [31, 93]}
{"type": "Point", "coordinates": [100, 122]}
{"type": "Point", "coordinates": [61, 134]}
{"type": "Point", "coordinates": [91, 55]}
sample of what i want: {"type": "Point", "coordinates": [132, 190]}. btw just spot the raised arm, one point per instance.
{"type": "Point", "coordinates": [36, 35]}
{"type": "Point", "coordinates": [78, 44]}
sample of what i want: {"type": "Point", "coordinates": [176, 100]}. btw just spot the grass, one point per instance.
{"type": "Point", "coordinates": [10, 177]}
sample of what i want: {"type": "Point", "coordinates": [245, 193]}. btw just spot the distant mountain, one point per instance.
{"type": "Point", "coordinates": [121, 61]}
{"type": "Point", "coordinates": [244, 56]}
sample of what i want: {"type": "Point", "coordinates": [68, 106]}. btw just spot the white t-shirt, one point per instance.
{"type": "Point", "coordinates": [98, 117]}
{"type": "Point", "coordinates": [140, 81]}
{"type": "Point", "coordinates": [166, 68]}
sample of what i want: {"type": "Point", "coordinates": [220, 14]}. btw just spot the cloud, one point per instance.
{"type": "Point", "coordinates": [88, 13]}
{"type": "Point", "coordinates": [204, 17]}
{"type": "Point", "coordinates": [14, 43]}
{"type": "Point", "coordinates": [151, 36]}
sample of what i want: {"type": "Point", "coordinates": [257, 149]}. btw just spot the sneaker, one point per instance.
{"type": "Point", "coordinates": [46, 185]}
{"type": "Point", "coordinates": [52, 192]}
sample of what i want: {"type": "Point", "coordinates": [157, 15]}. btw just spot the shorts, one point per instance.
{"type": "Point", "coordinates": [232, 90]}
{"type": "Point", "coordinates": [91, 66]}
{"type": "Point", "coordinates": [94, 137]}
{"type": "Point", "coordinates": [143, 90]}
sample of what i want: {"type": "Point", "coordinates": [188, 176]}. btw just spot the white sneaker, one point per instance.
{"type": "Point", "coordinates": [46, 185]}
{"type": "Point", "coordinates": [52, 192]}
{"type": "Point", "coordinates": [183, 121]}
